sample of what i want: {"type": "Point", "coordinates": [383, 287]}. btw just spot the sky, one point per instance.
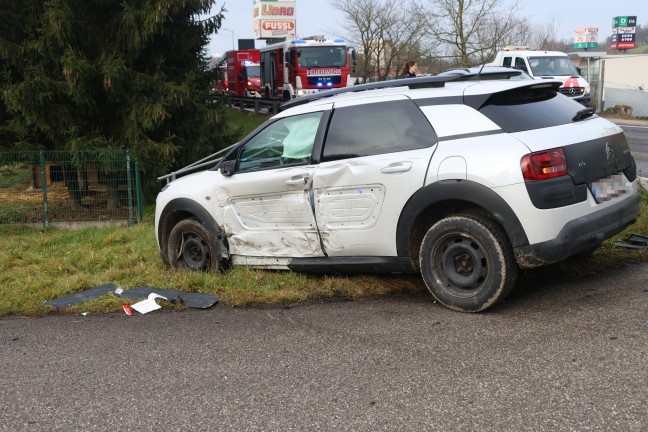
{"type": "Point", "coordinates": [319, 17]}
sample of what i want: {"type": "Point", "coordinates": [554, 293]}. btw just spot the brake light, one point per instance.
{"type": "Point", "coordinates": [544, 165]}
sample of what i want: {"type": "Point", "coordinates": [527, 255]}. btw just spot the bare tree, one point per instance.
{"type": "Point", "coordinates": [386, 33]}
{"type": "Point", "coordinates": [543, 37]}
{"type": "Point", "coordinates": [471, 32]}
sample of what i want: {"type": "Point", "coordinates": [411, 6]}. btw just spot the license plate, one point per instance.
{"type": "Point", "coordinates": [609, 187]}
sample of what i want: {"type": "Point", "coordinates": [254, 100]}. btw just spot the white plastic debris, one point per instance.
{"type": "Point", "coordinates": [148, 305]}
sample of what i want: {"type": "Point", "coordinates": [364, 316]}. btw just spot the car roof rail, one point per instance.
{"type": "Point", "coordinates": [412, 83]}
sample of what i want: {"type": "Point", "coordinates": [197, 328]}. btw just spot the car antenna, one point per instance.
{"type": "Point", "coordinates": [477, 77]}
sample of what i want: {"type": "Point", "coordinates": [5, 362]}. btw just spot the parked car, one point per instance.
{"type": "Point", "coordinates": [464, 181]}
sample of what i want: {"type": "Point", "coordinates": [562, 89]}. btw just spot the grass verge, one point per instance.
{"type": "Point", "coordinates": [40, 264]}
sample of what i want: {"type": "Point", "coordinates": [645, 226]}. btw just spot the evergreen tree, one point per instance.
{"type": "Point", "coordinates": [83, 74]}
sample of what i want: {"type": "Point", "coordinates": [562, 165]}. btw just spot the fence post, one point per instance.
{"type": "Point", "coordinates": [129, 181]}
{"type": "Point", "coordinates": [41, 160]}
{"type": "Point", "coordinates": [138, 192]}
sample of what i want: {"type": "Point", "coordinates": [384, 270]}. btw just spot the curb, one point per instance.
{"type": "Point", "coordinates": [627, 122]}
{"type": "Point", "coordinates": [643, 181]}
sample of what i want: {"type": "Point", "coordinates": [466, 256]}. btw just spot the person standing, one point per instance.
{"type": "Point", "coordinates": [409, 71]}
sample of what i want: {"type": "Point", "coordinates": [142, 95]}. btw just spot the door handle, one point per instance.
{"type": "Point", "coordinates": [397, 167]}
{"type": "Point", "coordinates": [297, 180]}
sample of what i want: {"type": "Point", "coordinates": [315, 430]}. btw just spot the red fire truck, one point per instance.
{"type": "Point", "coordinates": [243, 73]}
{"type": "Point", "coordinates": [303, 66]}
{"type": "Point", "coordinates": [221, 86]}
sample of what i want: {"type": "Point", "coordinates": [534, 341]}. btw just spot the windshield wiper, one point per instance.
{"type": "Point", "coordinates": [583, 114]}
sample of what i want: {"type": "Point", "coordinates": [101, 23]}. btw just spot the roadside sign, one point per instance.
{"type": "Point", "coordinates": [586, 37]}
{"type": "Point", "coordinates": [623, 32]}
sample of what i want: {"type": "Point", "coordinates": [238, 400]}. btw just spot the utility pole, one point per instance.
{"type": "Point", "coordinates": [231, 31]}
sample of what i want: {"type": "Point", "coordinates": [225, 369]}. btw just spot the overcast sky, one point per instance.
{"type": "Point", "coordinates": [319, 17]}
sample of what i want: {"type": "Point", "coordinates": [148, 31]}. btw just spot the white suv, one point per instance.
{"type": "Point", "coordinates": [461, 178]}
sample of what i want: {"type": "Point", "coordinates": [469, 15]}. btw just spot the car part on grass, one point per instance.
{"type": "Point", "coordinates": [81, 297]}
{"type": "Point", "coordinates": [635, 241]}
{"type": "Point", "coordinates": [189, 299]}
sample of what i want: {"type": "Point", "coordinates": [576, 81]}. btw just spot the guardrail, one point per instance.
{"type": "Point", "coordinates": [272, 104]}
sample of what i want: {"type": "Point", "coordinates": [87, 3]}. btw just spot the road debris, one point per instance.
{"type": "Point", "coordinates": [81, 297]}
{"type": "Point", "coordinates": [634, 241]}
{"type": "Point", "coordinates": [148, 305]}
{"type": "Point", "coordinates": [189, 299]}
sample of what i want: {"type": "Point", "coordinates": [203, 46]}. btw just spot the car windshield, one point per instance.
{"type": "Point", "coordinates": [552, 66]}
{"type": "Point", "coordinates": [322, 56]}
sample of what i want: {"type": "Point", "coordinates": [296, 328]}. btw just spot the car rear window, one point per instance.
{"type": "Point", "coordinates": [528, 108]}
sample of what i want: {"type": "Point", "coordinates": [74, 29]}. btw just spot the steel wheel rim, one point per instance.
{"type": "Point", "coordinates": [195, 252]}
{"type": "Point", "coordinates": [462, 263]}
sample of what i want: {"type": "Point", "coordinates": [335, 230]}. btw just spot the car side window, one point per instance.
{"type": "Point", "coordinates": [377, 128]}
{"type": "Point", "coordinates": [507, 61]}
{"type": "Point", "coordinates": [520, 64]}
{"type": "Point", "coordinates": [288, 141]}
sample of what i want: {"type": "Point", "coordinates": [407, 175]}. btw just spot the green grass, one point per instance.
{"type": "Point", "coordinates": [243, 122]}
{"type": "Point", "coordinates": [39, 264]}
{"type": "Point", "coordinates": [13, 174]}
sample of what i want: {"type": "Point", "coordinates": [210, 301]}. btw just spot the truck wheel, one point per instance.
{"type": "Point", "coordinates": [191, 246]}
{"type": "Point", "coordinates": [467, 263]}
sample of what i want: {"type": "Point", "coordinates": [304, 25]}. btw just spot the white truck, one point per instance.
{"type": "Point", "coordinates": [547, 64]}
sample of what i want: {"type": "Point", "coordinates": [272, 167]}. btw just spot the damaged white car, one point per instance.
{"type": "Point", "coordinates": [464, 180]}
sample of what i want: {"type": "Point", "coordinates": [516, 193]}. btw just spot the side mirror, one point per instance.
{"type": "Point", "coordinates": [579, 71]}
{"type": "Point", "coordinates": [227, 167]}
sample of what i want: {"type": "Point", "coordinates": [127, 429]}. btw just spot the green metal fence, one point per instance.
{"type": "Point", "coordinates": [69, 187]}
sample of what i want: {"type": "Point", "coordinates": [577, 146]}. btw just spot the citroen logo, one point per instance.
{"type": "Point", "coordinates": [609, 153]}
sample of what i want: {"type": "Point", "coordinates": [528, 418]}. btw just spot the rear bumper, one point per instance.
{"type": "Point", "coordinates": [580, 235]}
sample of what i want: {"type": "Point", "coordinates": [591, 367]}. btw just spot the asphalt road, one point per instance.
{"type": "Point", "coordinates": [560, 354]}
{"type": "Point", "coordinates": [638, 139]}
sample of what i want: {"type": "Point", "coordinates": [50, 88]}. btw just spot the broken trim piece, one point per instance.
{"type": "Point", "coordinates": [81, 297]}
{"type": "Point", "coordinates": [189, 299]}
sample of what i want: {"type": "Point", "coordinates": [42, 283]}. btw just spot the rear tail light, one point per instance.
{"type": "Point", "coordinates": [544, 165]}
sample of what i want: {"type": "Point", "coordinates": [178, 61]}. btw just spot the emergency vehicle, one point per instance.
{"type": "Point", "coordinates": [221, 85]}
{"type": "Point", "coordinates": [243, 73]}
{"type": "Point", "coordinates": [547, 64]}
{"type": "Point", "coordinates": [304, 66]}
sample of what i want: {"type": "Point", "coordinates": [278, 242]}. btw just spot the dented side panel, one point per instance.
{"type": "Point", "coordinates": [349, 207]}
{"type": "Point", "coordinates": [358, 201]}
{"type": "Point", "coordinates": [269, 213]}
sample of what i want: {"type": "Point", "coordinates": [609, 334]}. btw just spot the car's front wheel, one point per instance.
{"type": "Point", "coordinates": [467, 263]}
{"type": "Point", "coordinates": [192, 246]}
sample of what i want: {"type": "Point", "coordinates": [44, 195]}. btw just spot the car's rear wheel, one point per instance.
{"type": "Point", "coordinates": [191, 246]}
{"type": "Point", "coordinates": [467, 263]}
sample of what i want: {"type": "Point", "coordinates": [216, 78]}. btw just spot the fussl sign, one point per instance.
{"type": "Point", "coordinates": [273, 19]}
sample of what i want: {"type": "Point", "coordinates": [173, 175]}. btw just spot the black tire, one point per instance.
{"type": "Point", "coordinates": [467, 263]}
{"type": "Point", "coordinates": [191, 246]}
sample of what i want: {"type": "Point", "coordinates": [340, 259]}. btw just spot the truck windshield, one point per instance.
{"type": "Point", "coordinates": [322, 56]}
{"type": "Point", "coordinates": [552, 66]}
{"type": "Point", "coordinates": [253, 71]}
